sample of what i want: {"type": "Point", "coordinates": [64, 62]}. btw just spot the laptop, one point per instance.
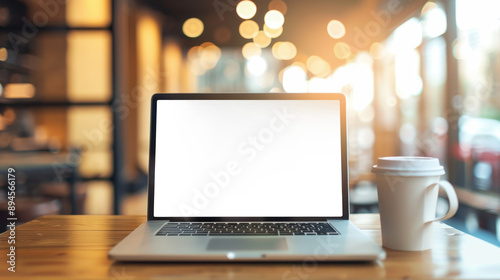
{"type": "Point", "coordinates": [248, 177]}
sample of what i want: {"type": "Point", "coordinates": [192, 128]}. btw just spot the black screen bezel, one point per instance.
{"type": "Point", "coordinates": [249, 96]}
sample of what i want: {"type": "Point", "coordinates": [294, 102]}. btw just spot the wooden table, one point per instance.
{"type": "Point", "coordinates": [75, 247]}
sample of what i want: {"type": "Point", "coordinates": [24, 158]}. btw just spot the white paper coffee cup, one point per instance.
{"type": "Point", "coordinates": [407, 191]}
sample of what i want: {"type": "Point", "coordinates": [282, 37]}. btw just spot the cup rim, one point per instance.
{"type": "Point", "coordinates": [390, 166]}
{"type": "Point", "coordinates": [408, 173]}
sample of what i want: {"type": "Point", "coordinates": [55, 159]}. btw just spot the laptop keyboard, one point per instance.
{"type": "Point", "coordinates": [245, 229]}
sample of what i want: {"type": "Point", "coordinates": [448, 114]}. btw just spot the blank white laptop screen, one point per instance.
{"type": "Point", "coordinates": [248, 158]}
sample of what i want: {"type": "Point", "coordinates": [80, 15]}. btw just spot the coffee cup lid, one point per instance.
{"type": "Point", "coordinates": [408, 166]}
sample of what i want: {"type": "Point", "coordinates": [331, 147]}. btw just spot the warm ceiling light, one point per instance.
{"type": "Point", "coordinates": [3, 54]}
{"type": "Point", "coordinates": [273, 33]}
{"type": "Point", "coordinates": [278, 5]}
{"type": "Point", "coordinates": [248, 29]}
{"type": "Point", "coordinates": [88, 13]}
{"type": "Point", "coordinates": [342, 50]}
{"type": "Point", "coordinates": [261, 39]}
{"type": "Point", "coordinates": [284, 50]}
{"type": "Point", "coordinates": [250, 49]}
{"type": "Point", "coordinates": [192, 27]}
{"type": "Point", "coordinates": [246, 9]}
{"type": "Point", "coordinates": [336, 29]}
{"type": "Point", "coordinates": [318, 66]}
{"type": "Point", "coordinates": [274, 19]}
{"type": "Point", "coordinates": [21, 90]}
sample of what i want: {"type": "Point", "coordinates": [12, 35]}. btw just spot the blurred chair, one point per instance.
{"type": "Point", "coordinates": [35, 169]}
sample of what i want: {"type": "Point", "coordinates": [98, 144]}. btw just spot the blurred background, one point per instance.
{"type": "Point", "coordinates": [76, 77]}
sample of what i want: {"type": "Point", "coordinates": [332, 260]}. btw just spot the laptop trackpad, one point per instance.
{"type": "Point", "coordinates": [246, 244]}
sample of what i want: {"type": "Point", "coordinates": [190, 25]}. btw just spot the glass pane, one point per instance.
{"type": "Point", "coordinates": [434, 125]}
{"type": "Point", "coordinates": [91, 128]}
{"type": "Point", "coordinates": [148, 76]}
{"type": "Point", "coordinates": [74, 67]}
{"type": "Point", "coordinates": [89, 66]}
{"type": "Point", "coordinates": [93, 13]}
{"type": "Point", "coordinates": [99, 198]}
{"type": "Point", "coordinates": [478, 52]}
{"type": "Point", "coordinates": [80, 13]}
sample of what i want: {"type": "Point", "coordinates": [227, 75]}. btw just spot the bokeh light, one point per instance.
{"type": "Point", "coordinates": [248, 29]}
{"type": "Point", "coordinates": [246, 9]}
{"type": "Point", "coordinates": [192, 27]}
{"type": "Point", "coordinates": [19, 90]}
{"type": "Point", "coordinates": [273, 33]}
{"type": "Point", "coordinates": [434, 20]}
{"type": "Point", "coordinates": [274, 19]}
{"type": "Point", "coordinates": [408, 86]}
{"type": "Point", "coordinates": [364, 57]}
{"type": "Point", "coordinates": [407, 74]}
{"type": "Point", "coordinates": [377, 50]}
{"type": "Point", "coordinates": [3, 54]}
{"type": "Point", "coordinates": [251, 49]}
{"type": "Point", "coordinates": [274, 50]}
{"type": "Point", "coordinates": [193, 53]}
{"type": "Point", "coordinates": [284, 50]}
{"type": "Point", "coordinates": [202, 58]}
{"type": "Point", "coordinates": [320, 85]}
{"type": "Point", "coordinates": [256, 66]}
{"type": "Point", "coordinates": [360, 80]}
{"type": "Point", "coordinates": [318, 66]}
{"type": "Point", "coordinates": [428, 6]}
{"type": "Point", "coordinates": [209, 55]}
{"type": "Point", "coordinates": [261, 39]}
{"type": "Point", "coordinates": [295, 79]}
{"type": "Point", "coordinates": [336, 29]}
{"type": "Point", "coordinates": [342, 50]}
{"type": "Point", "coordinates": [407, 36]}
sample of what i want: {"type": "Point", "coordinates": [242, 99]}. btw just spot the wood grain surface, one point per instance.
{"type": "Point", "coordinates": [76, 247]}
